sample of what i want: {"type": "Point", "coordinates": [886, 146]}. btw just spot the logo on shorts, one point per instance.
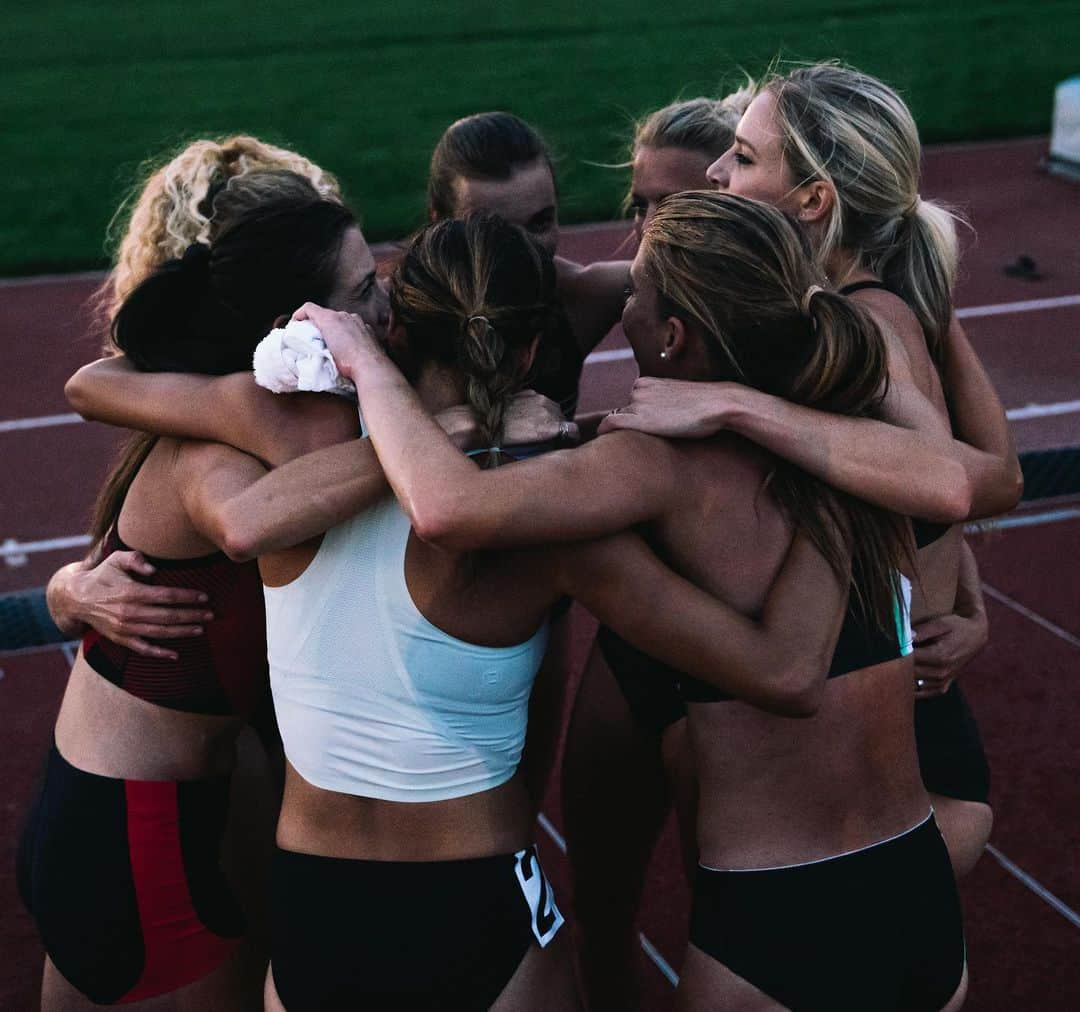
{"type": "Point", "coordinates": [546, 918]}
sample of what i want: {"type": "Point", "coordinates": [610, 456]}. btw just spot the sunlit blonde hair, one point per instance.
{"type": "Point", "coordinates": [172, 208]}
{"type": "Point", "coordinates": [854, 131]}
{"type": "Point", "coordinates": [697, 124]}
{"type": "Point", "coordinates": [703, 125]}
{"type": "Point", "coordinates": [741, 273]}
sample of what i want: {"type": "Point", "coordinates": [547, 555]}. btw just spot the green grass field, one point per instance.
{"type": "Point", "coordinates": [93, 89]}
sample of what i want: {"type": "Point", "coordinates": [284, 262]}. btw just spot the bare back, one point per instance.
{"type": "Point", "coordinates": [777, 790]}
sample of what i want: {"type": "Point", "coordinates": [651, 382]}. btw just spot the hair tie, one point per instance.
{"type": "Point", "coordinates": [913, 208]}
{"type": "Point", "coordinates": [477, 316]}
{"type": "Point", "coordinates": [806, 299]}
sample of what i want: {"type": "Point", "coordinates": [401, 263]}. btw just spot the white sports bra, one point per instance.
{"type": "Point", "coordinates": [374, 700]}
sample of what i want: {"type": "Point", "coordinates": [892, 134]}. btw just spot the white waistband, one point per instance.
{"type": "Point", "coordinates": [831, 857]}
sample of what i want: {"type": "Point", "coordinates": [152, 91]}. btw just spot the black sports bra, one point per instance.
{"type": "Point", "coordinates": [926, 532]}
{"type": "Point", "coordinates": [861, 645]}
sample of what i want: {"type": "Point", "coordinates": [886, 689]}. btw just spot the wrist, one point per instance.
{"type": "Point", "coordinates": [735, 408]}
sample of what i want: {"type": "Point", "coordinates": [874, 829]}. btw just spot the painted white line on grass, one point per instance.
{"type": "Point", "coordinates": [1024, 520]}
{"type": "Point", "coordinates": [41, 422]}
{"type": "Point", "coordinates": [661, 964]}
{"type": "Point", "coordinates": [1036, 887]}
{"type": "Point", "coordinates": [1035, 617]}
{"type": "Point", "coordinates": [548, 827]}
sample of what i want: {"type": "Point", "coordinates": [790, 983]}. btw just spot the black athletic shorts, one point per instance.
{"type": "Point", "coordinates": [951, 755]}
{"type": "Point", "coordinates": [879, 928]}
{"type": "Point", "coordinates": [404, 935]}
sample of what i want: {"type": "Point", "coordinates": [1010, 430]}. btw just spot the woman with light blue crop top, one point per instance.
{"type": "Point", "coordinates": [823, 876]}
{"type": "Point", "coordinates": [405, 875]}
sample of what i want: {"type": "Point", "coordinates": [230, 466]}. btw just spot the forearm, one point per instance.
{"type": "Point", "coordinates": [969, 595]}
{"type": "Point", "coordinates": [893, 467]}
{"type": "Point", "coordinates": [776, 661]}
{"type": "Point", "coordinates": [979, 422]}
{"type": "Point", "coordinates": [300, 500]}
{"type": "Point", "coordinates": [63, 603]}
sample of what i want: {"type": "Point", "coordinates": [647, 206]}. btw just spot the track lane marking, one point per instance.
{"type": "Point", "coordinates": [1035, 886]}
{"type": "Point", "coordinates": [1032, 616]}
{"type": "Point", "coordinates": [647, 946]}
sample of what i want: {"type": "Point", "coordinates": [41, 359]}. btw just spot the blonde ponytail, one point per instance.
{"type": "Point", "coordinates": [855, 132]}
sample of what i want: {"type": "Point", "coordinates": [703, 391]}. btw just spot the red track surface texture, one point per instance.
{"type": "Point", "coordinates": [1022, 944]}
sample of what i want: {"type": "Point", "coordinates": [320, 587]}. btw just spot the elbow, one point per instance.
{"type": "Point", "coordinates": [234, 537]}
{"type": "Point", "coordinates": [954, 498]}
{"type": "Point", "coordinates": [797, 693]}
{"type": "Point", "coordinates": [1013, 486]}
{"type": "Point", "coordinates": [75, 392]}
{"type": "Point", "coordinates": [441, 523]}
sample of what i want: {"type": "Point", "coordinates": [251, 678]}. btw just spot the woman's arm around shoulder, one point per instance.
{"type": "Point", "coordinates": [231, 409]}
{"type": "Point", "coordinates": [777, 661]}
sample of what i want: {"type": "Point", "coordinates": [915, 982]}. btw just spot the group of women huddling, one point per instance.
{"type": "Point", "coordinates": [756, 531]}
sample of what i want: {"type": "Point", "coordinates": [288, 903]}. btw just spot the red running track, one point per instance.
{"type": "Point", "coordinates": [1022, 947]}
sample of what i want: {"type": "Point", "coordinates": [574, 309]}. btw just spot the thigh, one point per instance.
{"type": "Point", "coordinates": [965, 826]}
{"type": "Point", "coordinates": [706, 985]}
{"type": "Point", "coordinates": [544, 981]}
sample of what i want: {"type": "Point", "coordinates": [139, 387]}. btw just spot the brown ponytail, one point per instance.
{"type": "Point", "coordinates": [741, 272]}
{"type": "Point", "coordinates": [476, 294]}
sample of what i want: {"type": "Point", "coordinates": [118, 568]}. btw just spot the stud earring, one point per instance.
{"type": "Point", "coordinates": [663, 354]}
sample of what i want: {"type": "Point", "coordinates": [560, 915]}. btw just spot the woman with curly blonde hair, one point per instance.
{"type": "Point", "coordinates": [172, 209]}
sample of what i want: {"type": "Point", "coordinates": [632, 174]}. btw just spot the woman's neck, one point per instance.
{"type": "Point", "coordinates": [439, 388]}
{"type": "Point", "coordinates": [844, 268]}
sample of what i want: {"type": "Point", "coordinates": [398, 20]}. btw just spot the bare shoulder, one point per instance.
{"type": "Point", "coordinates": [279, 427]}
{"type": "Point", "coordinates": [899, 327]}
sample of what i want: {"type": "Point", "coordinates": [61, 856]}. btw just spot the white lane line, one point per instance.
{"type": "Point", "coordinates": [30, 651]}
{"type": "Point", "coordinates": [1036, 887]}
{"type": "Point", "coordinates": [647, 946]}
{"type": "Point", "coordinates": [1035, 617]}
{"type": "Point", "coordinates": [41, 422]}
{"type": "Point", "coordinates": [1026, 306]}
{"type": "Point", "coordinates": [548, 827]}
{"type": "Point", "coordinates": [614, 355]}
{"type": "Point", "coordinates": [661, 964]}
{"type": "Point", "coordinates": [1023, 414]}
{"type": "Point", "coordinates": [1024, 520]}
{"type": "Point", "coordinates": [1042, 410]}
{"type": "Point", "coordinates": [969, 312]}
{"type": "Point", "coordinates": [14, 552]}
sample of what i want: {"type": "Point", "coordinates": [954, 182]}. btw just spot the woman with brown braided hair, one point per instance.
{"type": "Point", "coordinates": [823, 875]}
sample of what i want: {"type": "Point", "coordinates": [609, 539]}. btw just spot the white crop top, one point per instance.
{"type": "Point", "coordinates": [372, 698]}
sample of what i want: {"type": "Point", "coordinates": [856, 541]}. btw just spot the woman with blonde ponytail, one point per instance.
{"type": "Point", "coordinates": [824, 883]}
{"type": "Point", "coordinates": [839, 150]}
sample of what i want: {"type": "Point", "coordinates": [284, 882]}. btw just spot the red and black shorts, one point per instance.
{"type": "Point", "coordinates": [123, 879]}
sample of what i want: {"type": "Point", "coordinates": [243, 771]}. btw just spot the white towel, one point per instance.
{"type": "Point", "coordinates": [294, 357]}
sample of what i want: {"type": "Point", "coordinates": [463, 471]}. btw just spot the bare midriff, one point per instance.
{"type": "Point", "coordinates": [779, 791]}
{"type": "Point", "coordinates": [104, 730]}
{"type": "Point", "coordinates": [331, 824]}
